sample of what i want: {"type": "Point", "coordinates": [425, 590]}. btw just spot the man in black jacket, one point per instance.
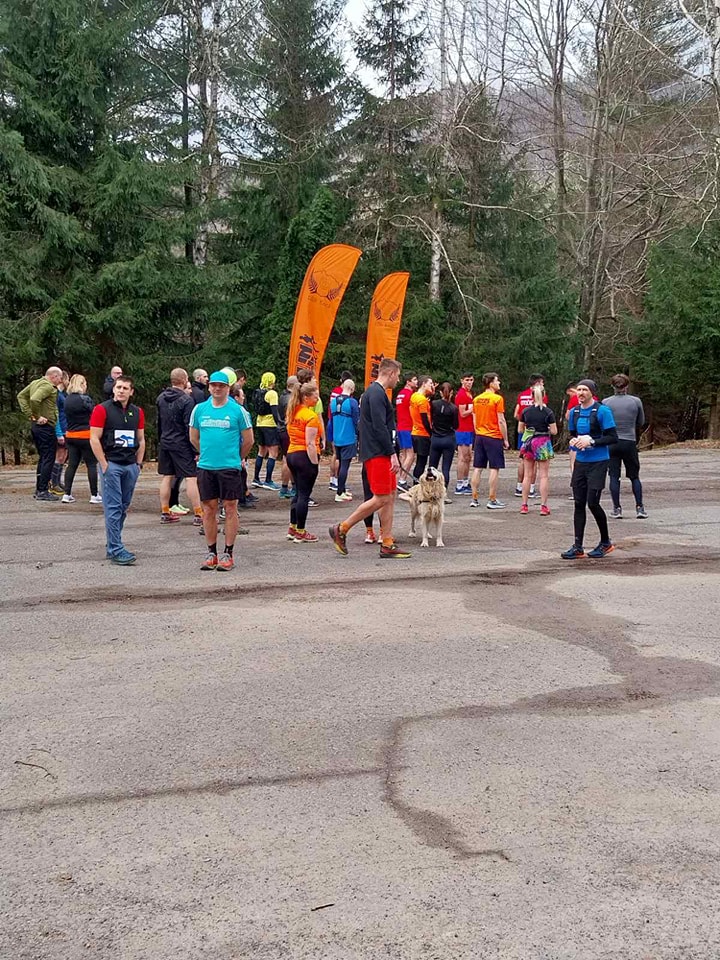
{"type": "Point", "coordinates": [110, 381]}
{"type": "Point", "coordinates": [176, 457]}
{"type": "Point", "coordinates": [200, 392]}
{"type": "Point", "coordinates": [380, 462]}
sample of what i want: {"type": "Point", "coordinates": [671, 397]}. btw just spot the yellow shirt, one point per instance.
{"type": "Point", "coordinates": [267, 419]}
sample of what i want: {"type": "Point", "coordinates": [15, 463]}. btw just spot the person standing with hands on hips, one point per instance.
{"type": "Point", "coordinates": [117, 438]}
{"type": "Point", "coordinates": [592, 431]}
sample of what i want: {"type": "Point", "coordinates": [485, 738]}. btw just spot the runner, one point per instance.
{"type": "Point", "coordinates": [536, 427]}
{"type": "Point", "coordinates": [525, 399]}
{"type": "Point", "coordinates": [221, 430]}
{"type": "Point", "coordinates": [629, 419]}
{"type": "Point", "coordinates": [283, 400]}
{"type": "Point", "coordinates": [592, 431]}
{"type": "Point", "coordinates": [377, 453]}
{"type": "Point", "coordinates": [78, 407]}
{"type": "Point", "coordinates": [304, 434]}
{"type": "Point", "coordinates": [491, 440]}
{"type": "Point", "coordinates": [404, 429]}
{"type": "Point", "coordinates": [265, 401]}
{"type": "Point", "coordinates": [421, 423]}
{"type": "Point", "coordinates": [465, 435]}
{"type": "Point", "coordinates": [444, 428]}
{"type": "Point", "coordinates": [38, 401]}
{"type": "Point", "coordinates": [117, 438]}
{"type": "Point", "coordinates": [345, 417]}
{"type": "Point", "coordinates": [176, 456]}
{"type": "Point", "coordinates": [57, 485]}
{"type": "Point", "coordinates": [335, 464]}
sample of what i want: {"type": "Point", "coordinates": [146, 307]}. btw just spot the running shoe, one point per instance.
{"type": "Point", "coordinates": [311, 502]}
{"type": "Point", "coordinates": [393, 552]}
{"type": "Point", "coordinates": [179, 509]}
{"type": "Point", "coordinates": [601, 550]}
{"type": "Point", "coordinates": [270, 485]}
{"type": "Point", "coordinates": [58, 489]}
{"type": "Point", "coordinates": [210, 562]}
{"type": "Point", "coordinates": [403, 485]}
{"type": "Point", "coordinates": [285, 495]}
{"type": "Point", "coordinates": [524, 508]}
{"type": "Point", "coordinates": [46, 495]}
{"type": "Point", "coordinates": [616, 513]}
{"type": "Point", "coordinates": [339, 539]}
{"type": "Point", "coordinates": [574, 553]}
{"type": "Point", "coordinates": [370, 536]}
{"type": "Point", "coordinates": [292, 530]}
{"type": "Point", "coordinates": [197, 521]}
{"type": "Point", "coordinates": [304, 536]}
{"type": "Point", "coordinates": [257, 482]}
{"type": "Point", "coordinates": [96, 499]}
{"type": "Point", "coordinates": [332, 485]}
{"type": "Point", "coordinates": [225, 562]}
{"type": "Point", "coordinates": [533, 493]}
{"type": "Point", "coordinates": [447, 500]}
{"type": "Point", "coordinates": [459, 487]}
{"type": "Point", "coordinates": [123, 559]}
{"type": "Point", "coordinates": [221, 515]}
{"type": "Point", "coordinates": [474, 502]}
{"type": "Point", "coordinates": [641, 513]}
{"type": "Point", "coordinates": [251, 498]}
{"type": "Point", "coordinates": [518, 491]}
{"type": "Point", "coordinates": [244, 505]}
{"type": "Point", "coordinates": [67, 498]}
{"type": "Point", "coordinates": [169, 518]}
{"type": "Point", "coordinates": [466, 490]}
{"type": "Point", "coordinates": [495, 505]}
{"type": "Point", "coordinates": [571, 496]}
{"type": "Point", "coordinates": [544, 510]}
{"type": "Point", "coordinates": [343, 497]}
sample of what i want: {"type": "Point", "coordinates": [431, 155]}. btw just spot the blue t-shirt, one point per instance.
{"type": "Point", "coordinates": [345, 417]}
{"type": "Point", "coordinates": [580, 420]}
{"type": "Point", "coordinates": [220, 434]}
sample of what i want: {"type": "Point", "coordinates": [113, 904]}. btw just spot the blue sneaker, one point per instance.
{"type": "Point", "coordinates": [286, 495]}
{"type": "Point", "coordinates": [124, 558]}
{"type": "Point", "coordinates": [601, 550]}
{"type": "Point", "coordinates": [574, 553]}
{"type": "Point", "coordinates": [270, 485]}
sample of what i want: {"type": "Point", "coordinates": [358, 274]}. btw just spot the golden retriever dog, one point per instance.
{"type": "Point", "coordinates": [427, 502]}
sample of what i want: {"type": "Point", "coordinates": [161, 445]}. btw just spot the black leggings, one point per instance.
{"type": "Point", "coordinates": [587, 497]}
{"type": "Point", "coordinates": [442, 447]}
{"type": "Point", "coordinates": [304, 474]}
{"type": "Point", "coordinates": [367, 495]}
{"type": "Point", "coordinates": [80, 450]}
{"type": "Point", "coordinates": [342, 476]}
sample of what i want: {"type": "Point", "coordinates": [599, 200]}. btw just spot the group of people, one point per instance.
{"type": "Point", "coordinates": [206, 433]}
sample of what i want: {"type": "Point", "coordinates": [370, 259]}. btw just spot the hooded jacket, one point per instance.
{"type": "Point", "coordinates": [200, 392]}
{"type": "Point", "coordinates": [174, 407]}
{"type": "Point", "coordinates": [108, 387]}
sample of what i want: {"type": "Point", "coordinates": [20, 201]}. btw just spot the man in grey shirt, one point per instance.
{"type": "Point", "coordinates": [629, 418]}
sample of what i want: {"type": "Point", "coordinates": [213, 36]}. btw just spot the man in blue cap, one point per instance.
{"type": "Point", "coordinates": [221, 430]}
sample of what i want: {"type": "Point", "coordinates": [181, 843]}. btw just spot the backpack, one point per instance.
{"type": "Point", "coordinates": [595, 429]}
{"type": "Point", "coordinates": [339, 401]}
{"type": "Point", "coordinates": [260, 404]}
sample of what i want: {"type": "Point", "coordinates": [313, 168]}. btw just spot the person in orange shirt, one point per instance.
{"type": "Point", "coordinates": [491, 439]}
{"type": "Point", "coordinates": [421, 423]}
{"type": "Point", "coordinates": [303, 453]}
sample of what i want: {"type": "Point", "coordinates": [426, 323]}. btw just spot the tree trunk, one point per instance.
{"type": "Point", "coordinates": [714, 418]}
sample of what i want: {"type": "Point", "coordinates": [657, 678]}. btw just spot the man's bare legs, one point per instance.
{"type": "Point", "coordinates": [464, 453]}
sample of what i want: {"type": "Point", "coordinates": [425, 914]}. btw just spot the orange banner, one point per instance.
{"type": "Point", "coordinates": [320, 297]}
{"type": "Point", "coordinates": [384, 323]}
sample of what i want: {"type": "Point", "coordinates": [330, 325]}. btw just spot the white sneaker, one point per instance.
{"type": "Point", "coordinates": [96, 499]}
{"type": "Point", "coordinates": [343, 497]}
{"type": "Point", "coordinates": [179, 510]}
{"type": "Point", "coordinates": [67, 499]}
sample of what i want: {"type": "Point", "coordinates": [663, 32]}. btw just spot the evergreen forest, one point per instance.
{"type": "Point", "coordinates": [547, 170]}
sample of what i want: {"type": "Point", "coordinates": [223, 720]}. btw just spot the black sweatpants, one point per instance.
{"type": "Point", "coordinates": [80, 451]}
{"type": "Point", "coordinates": [304, 474]}
{"type": "Point", "coordinates": [588, 481]}
{"type": "Point", "coordinates": [43, 435]}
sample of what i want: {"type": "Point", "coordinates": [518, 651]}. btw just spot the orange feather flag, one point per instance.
{"type": "Point", "coordinates": [384, 323]}
{"type": "Point", "coordinates": [320, 297]}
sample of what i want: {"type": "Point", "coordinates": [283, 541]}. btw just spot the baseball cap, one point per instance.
{"type": "Point", "coordinates": [219, 377]}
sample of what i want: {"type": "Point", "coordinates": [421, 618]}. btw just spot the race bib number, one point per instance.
{"type": "Point", "coordinates": [124, 438]}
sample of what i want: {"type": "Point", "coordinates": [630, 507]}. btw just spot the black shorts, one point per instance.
{"type": "Point", "coordinates": [624, 452]}
{"type": "Point", "coordinates": [284, 439]}
{"type": "Point", "coordinates": [267, 436]}
{"type": "Point", "coordinates": [347, 452]}
{"type": "Point", "coordinates": [421, 446]}
{"type": "Point", "coordinates": [176, 463]}
{"type": "Point", "coordinates": [590, 476]}
{"type": "Point", "coordinates": [219, 484]}
{"type": "Point", "coordinates": [488, 451]}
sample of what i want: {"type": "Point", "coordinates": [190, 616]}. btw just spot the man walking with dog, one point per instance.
{"type": "Point", "coordinates": [377, 454]}
{"type": "Point", "coordinates": [491, 439]}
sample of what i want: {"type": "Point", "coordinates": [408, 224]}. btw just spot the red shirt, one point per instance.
{"type": "Point", "coordinates": [335, 392]}
{"type": "Point", "coordinates": [402, 409]}
{"type": "Point", "coordinates": [98, 417]}
{"type": "Point", "coordinates": [525, 399]}
{"type": "Point", "coordinates": [464, 398]}
{"type": "Point", "coordinates": [573, 402]}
